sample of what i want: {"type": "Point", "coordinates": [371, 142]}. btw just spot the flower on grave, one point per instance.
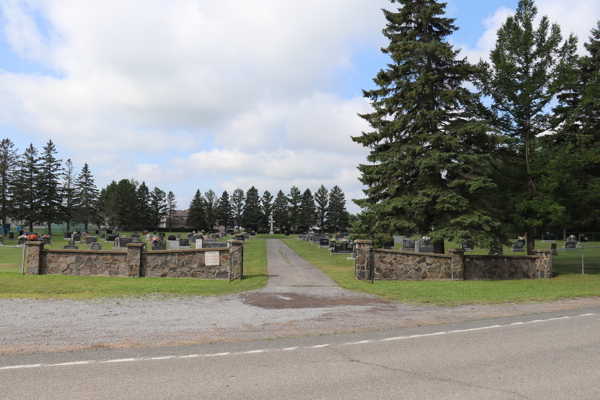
{"type": "Point", "coordinates": [344, 240]}
{"type": "Point", "coordinates": [45, 237]}
{"type": "Point", "coordinates": [425, 238]}
{"type": "Point", "coordinates": [572, 237]}
{"type": "Point", "coordinates": [155, 240]}
{"type": "Point", "coordinates": [520, 238]}
{"type": "Point", "coordinates": [23, 236]}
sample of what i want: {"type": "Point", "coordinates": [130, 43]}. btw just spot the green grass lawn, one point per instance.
{"type": "Point", "coordinates": [566, 285]}
{"type": "Point", "coordinates": [12, 284]}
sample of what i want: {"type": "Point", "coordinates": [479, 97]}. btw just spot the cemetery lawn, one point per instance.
{"type": "Point", "coordinates": [564, 286]}
{"type": "Point", "coordinates": [12, 284]}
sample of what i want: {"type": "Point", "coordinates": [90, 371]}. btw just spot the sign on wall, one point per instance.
{"type": "Point", "coordinates": [211, 258]}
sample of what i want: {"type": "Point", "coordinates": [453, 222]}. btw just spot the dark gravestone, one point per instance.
{"type": "Point", "coordinates": [76, 238]}
{"type": "Point", "coordinates": [324, 243]}
{"type": "Point", "coordinates": [111, 238]}
{"type": "Point", "coordinates": [97, 232]}
{"type": "Point", "coordinates": [253, 234]}
{"type": "Point", "coordinates": [135, 235]}
{"type": "Point", "coordinates": [240, 237]}
{"type": "Point", "coordinates": [103, 236]}
{"type": "Point", "coordinates": [67, 235]}
{"type": "Point", "coordinates": [121, 243]}
{"type": "Point", "coordinates": [90, 239]}
{"type": "Point", "coordinates": [184, 242]}
{"type": "Point", "coordinates": [519, 245]}
{"type": "Point", "coordinates": [158, 246]}
{"type": "Point", "coordinates": [409, 245]}
{"type": "Point", "coordinates": [11, 235]}
{"type": "Point", "coordinates": [468, 246]}
{"type": "Point", "coordinates": [96, 246]}
{"type": "Point", "coordinates": [171, 237]}
{"type": "Point", "coordinates": [213, 245]}
{"type": "Point", "coordinates": [583, 238]}
{"type": "Point", "coordinates": [553, 248]}
{"type": "Point", "coordinates": [423, 246]}
{"type": "Point", "coordinates": [342, 248]}
{"type": "Point", "coordinates": [570, 245]}
{"type": "Point", "coordinates": [69, 247]}
{"type": "Point", "coordinates": [109, 231]}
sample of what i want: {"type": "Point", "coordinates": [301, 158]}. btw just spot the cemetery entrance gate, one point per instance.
{"type": "Point", "coordinates": [365, 265]}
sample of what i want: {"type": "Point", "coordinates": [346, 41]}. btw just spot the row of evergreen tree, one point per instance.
{"type": "Point", "coordinates": [448, 164]}
{"type": "Point", "coordinates": [39, 188]}
{"type": "Point", "coordinates": [293, 212]}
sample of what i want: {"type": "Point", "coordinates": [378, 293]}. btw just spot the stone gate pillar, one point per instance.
{"type": "Point", "coordinates": [134, 259]}
{"type": "Point", "coordinates": [33, 257]}
{"type": "Point", "coordinates": [363, 254]}
{"type": "Point", "coordinates": [458, 264]}
{"type": "Point", "coordinates": [543, 264]}
{"type": "Point", "coordinates": [236, 259]}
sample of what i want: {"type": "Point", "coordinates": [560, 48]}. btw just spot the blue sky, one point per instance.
{"type": "Point", "coordinates": [197, 94]}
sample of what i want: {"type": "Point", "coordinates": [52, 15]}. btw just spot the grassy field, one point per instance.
{"type": "Point", "coordinates": [566, 285]}
{"type": "Point", "coordinates": [12, 284]}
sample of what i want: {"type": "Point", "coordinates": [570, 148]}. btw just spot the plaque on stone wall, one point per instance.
{"type": "Point", "coordinates": [211, 258]}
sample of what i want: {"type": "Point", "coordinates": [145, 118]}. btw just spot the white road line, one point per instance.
{"type": "Point", "coordinates": [122, 360]}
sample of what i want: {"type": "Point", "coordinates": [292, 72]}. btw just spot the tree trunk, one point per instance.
{"type": "Point", "coordinates": [50, 228]}
{"type": "Point", "coordinates": [530, 240]}
{"type": "Point", "coordinates": [564, 233]}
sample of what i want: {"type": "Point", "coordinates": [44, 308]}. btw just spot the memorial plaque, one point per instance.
{"type": "Point", "coordinates": [211, 258]}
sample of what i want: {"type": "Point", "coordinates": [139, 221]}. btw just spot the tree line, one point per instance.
{"type": "Point", "coordinates": [446, 163]}
{"type": "Point", "coordinates": [39, 188]}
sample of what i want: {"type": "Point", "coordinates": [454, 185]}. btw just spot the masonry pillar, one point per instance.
{"type": "Point", "coordinates": [134, 259]}
{"type": "Point", "coordinates": [543, 264]}
{"type": "Point", "coordinates": [458, 264]}
{"type": "Point", "coordinates": [236, 259]}
{"type": "Point", "coordinates": [33, 257]}
{"type": "Point", "coordinates": [363, 255]}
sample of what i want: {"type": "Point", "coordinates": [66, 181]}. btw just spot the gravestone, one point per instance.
{"type": "Point", "coordinates": [409, 244]}
{"type": "Point", "coordinates": [122, 242]}
{"type": "Point", "coordinates": [111, 237]}
{"type": "Point", "coordinates": [553, 248]}
{"type": "Point", "coordinates": [199, 243]}
{"type": "Point", "coordinates": [135, 235]}
{"type": "Point", "coordinates": [583, 238]}
{"type": "Point", "coordinates": [90, 239]}
{"type": "Point", "coordinates": [240, 237]}
{"type": "Point", "coordinates": [96, 246]}
{"type": "Point", "coordinates": [423, 246]}
{"type": "Point", "coordinates": [11, 235]}
{"type": "Point", "coordinates": [519, 245]}
{"type": "Point", "coordinates": [253, 234]}
{"type": "Point", "coordinates": [70, 247]}
{"type": "Point", "coordinates": [171, 237]}
{"type": "Point", "coordinates": [398, 240]}
{"type": "Point", "coordinates": [178, 236]}
{"type": "Point", "coordinates": [287, 234]}
{"type": "Point", "coordinates": [109, 231]}
{"type": "Point", "coordinates": [184, 242]}
{"type": "Point", "coordinates": [570, 245]}
{"type": "Point", "coordinates": [76, 237]}
{"type": "Point", "coordinates": [468, 246]}
{"type": "Point", "coordinates": [158, 246]}
{"type": "Point", "coordinates": [103, 236]}
{"type": "Point", "coordinates": [173, 244]}
{"type": "Point", "coordinates": [97, 232]}
{"type": "Point", "coordinates": [324, 243]}
{"type": "Point", "coordinates": [342, 248]}
{"type": "Point", "coordinates": [67, 235]}
{"type": "Point", "coordinates": [47, 240]}
{"type": "Point", "coordinates": [496, 250]}
{"type": "Point", "coordinates": [189, 235]}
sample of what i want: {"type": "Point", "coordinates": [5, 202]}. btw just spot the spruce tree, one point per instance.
{"type": "Point", "coordinates": [26, 194]}
{"type": "Point", "coordinates": [281, 215]}
{"type": "Point", "coordinates": [49, 191]}
{"type": "Point", "coordinates": [9, 161]}
{"type": "Point", "coordinates": [337, 216]}
{"type": "Point", "coordinates": [211, 209]}
{"type": "Point", "coordinates": [429, 154]}
{"type": "Point", "coordinates": [253, 216]}
{"type": "Point", "coordinates": [307, 210]}
{"type": "Point", "coordinates": [68, 193]}
{"type": "Point", "coordinates": [158, 207]}
{"type": "Point", "coordinates": [237, 201]}
{"type": "Point", "coordinates": [225, 216]}
{"type": "Point", "coordinates": [322, 202]}
{"type": "Point", "coordinates": [171, 209]}
{"type": "Point", "coordinates": [86, 194]}
{"type": "Point", "coordinates": [528, 69]}
{"type": "Point", "coordinates": [143, 205]}
{"type": "Point", "coordinates": [267, 208]}
{"type": "Point", "coordinates": [294, 200]}
{"type": "Point", "coordinates": [196, 218]}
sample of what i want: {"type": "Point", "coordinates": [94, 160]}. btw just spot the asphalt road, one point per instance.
{"type": "Point", "coordinates": [547, 356]}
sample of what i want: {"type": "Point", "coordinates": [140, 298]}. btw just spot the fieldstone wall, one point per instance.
{"type": "Point", "coordinates": [407, 265]}
{"type": "Point", "coordinates": [135, 262]}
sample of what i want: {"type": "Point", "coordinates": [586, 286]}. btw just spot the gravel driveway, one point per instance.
{"type": "Point", "coordinates": [277, 311]}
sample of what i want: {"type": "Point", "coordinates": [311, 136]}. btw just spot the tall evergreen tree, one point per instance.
{"type": "Point", "coordinates": [26, 194]}
{"type": "Point", "coordinates": [49, 191]}
{"type": "Point", "coordinates": [281, 216]}
{"type": "Point", "coordinates": [294, 200]}
{"type": "Point", "coordinates": [9, 161]}
{"type": "Point", "coordinates": [337, 216]}
{"type": "Point", "coordinates": [529, 68]}
{"type": "Point", "coordinates": [106, 213]}
{"type": "Point", "coordinates": [143, 205]}
{"type": "Point", "coordinates": [158, 206]}
{"type": "Point", "coordinates": [196, 217]}
{"type": "Point", "coordinates": [211, 209]}
{"type": "Point", "coordinates": [428, 152]}
{"type": "Point", "coordinates": [68, 193]}
{"type": "Point", "coordinates": [266, 203]}
{"type": "Point", "coordinates": [253, 216]}
{"type": "Point", "coordinates": [322, 202]}
{"type": "Point", "coordinates": [171, 209]}
{"type": "Point", "coordinates": [87, 195]}
{"type": "Point", "coordinates": [225, 216]}
{"type": "Point", "coordinates": [237, 201]}
{"type": "Point", "coordinates": [307, 210]}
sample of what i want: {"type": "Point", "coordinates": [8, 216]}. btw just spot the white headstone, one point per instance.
{"type": "Point", "coordinates": [173, 244]}
{"type": "Point", "coordinates": [198, 243]}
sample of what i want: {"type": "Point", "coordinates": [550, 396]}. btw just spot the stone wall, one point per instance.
{"type": "Point", "coordinates": [135, 262]}
{"type": "Point", "coordinates": [407, 265]}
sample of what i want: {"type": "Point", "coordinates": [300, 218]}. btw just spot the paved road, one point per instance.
{"type": "Point", "coordinates": [286, 268]}
{"type": "Point", "coordinates": [550, 356]}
